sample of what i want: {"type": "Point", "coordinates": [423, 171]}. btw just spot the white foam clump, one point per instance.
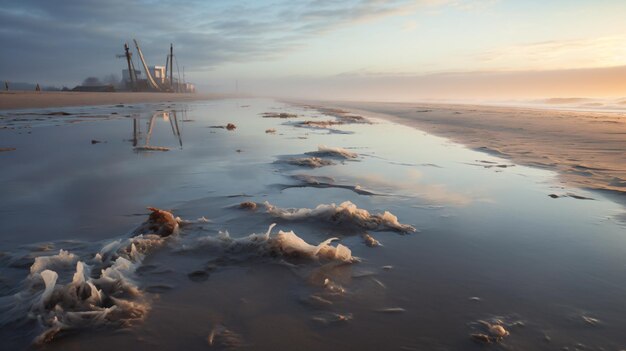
{"type": "Point", "coordinates": [346, 213]}
{"type": "Point", "coordinates": [110, 298]}
{"type": "Point", "coordinates": [283, 243]}
{"type": "Point", "coordinates": [291, 244]}
{"type": "Point", "coordinates": [62, 259]}
{"type": "Point", "coordinates": [336, 151]}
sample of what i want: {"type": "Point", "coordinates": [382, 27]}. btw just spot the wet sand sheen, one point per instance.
{"type": "Point", "coordinates": [494, 259]}
{"type": "Point", "coordinates": [586, 148]}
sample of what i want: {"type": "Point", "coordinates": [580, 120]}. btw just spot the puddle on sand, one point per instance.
{"type": "Point", "coordinates": [492, 246]}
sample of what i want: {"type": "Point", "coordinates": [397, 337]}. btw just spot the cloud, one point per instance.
{"type": "Point", "coordinates": [43, 38]}
{"type": "Point", "coordinates": [559, 54]}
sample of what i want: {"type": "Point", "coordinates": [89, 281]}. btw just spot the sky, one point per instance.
{"type": "Point", "coordinates": [387, 50]}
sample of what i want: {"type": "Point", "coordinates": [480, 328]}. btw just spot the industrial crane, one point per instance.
{"type": "Point", "coordinates": [165, 83]}
{"type": "Point", "coordinates": [132, 73]}
{"type": "Point", "coordinates": [151, 82]}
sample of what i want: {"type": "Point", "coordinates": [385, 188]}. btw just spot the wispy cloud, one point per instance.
{"type": "Point", "coordinates": [558, 54]}
{"type": "Point", "coordinates": [48, 36]}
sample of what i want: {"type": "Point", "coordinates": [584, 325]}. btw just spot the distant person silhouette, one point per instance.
{"type": "Point", "coordinates": [37, 88]}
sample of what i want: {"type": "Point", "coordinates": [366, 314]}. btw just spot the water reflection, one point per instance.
{"type": "Point", "coordinates": [492, 243]}
{"type": "Point", "coordinates": [165, 116]}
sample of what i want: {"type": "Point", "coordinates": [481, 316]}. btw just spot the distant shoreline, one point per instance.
{"type": "Point", "coordinates": [11, 100]}
{"type": "Point", "coordinates": [585, 148]}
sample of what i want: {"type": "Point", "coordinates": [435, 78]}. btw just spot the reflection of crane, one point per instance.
{"type": "Point", "coordinates": [132, 73]}
{"type": "Point", "coordinates": [151, 82]}
{"type": "Point", "coordinates": [173, 119]}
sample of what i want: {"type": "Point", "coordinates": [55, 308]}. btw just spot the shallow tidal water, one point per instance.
{"type": "Point", "coordinates": [491, 243]}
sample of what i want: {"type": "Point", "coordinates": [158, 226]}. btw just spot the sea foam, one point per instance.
{"type": "Point", "coordinates": [346, 213]}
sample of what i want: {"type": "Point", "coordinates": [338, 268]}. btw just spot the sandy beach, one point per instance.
{"type": "Point", "coordinates": [45, 99]}
{"type": "Point", "coordinates": [587, 149]}
{"type": "Point", "coordinates": [313, 175]}
{"type": "Point", "coordinates": [266, 218]}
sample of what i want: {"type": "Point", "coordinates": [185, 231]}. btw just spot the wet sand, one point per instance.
{"type": "Point", "coordinates": [45, 99]}
{"type": "Point", "coordinates": [587, 149]}
{"type": "Point", "coordinates": [386, 237]}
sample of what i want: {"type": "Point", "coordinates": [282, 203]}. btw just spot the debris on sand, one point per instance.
{"type": "Point", "coordinates": [326, 151]}
{"type": "Point", "coordinates": [480, 337]}
{"type": "Point", "coordinates": [346, 213]}
{"type": "Point", "coordinates": [278, 115]}
{"type": "Point", "coordinates": [160, 222]}
{"type": "Point", "coordinates": [225, 338]}
{"type": "Point", "coordinates": [151, 148]}
{"type": "Point", "coordinates": [370, 241]}
{"type": "Point", "coordinates": [354, 119]}
{"type": "Point", "coordinates": [333, 287]}
{"type": "Point", "coordinates": [332, 317]}
{"type": "Point", "coordinates": [270, 131]}
{"type": "Point", "coordinates": [498, 331]}
{"type": "Point", "coordinates": [229, 127]}
{"type": "Point", "coordinates": [248, 205]}
{"type": "Point", "coordinates": [312, 162]}
{"type": "Point", "coordinates": [492, 332]}
{"type": "Point", "coordinates": [319, 124]}
{"type": "Point", "coordinates": [5, 149]}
